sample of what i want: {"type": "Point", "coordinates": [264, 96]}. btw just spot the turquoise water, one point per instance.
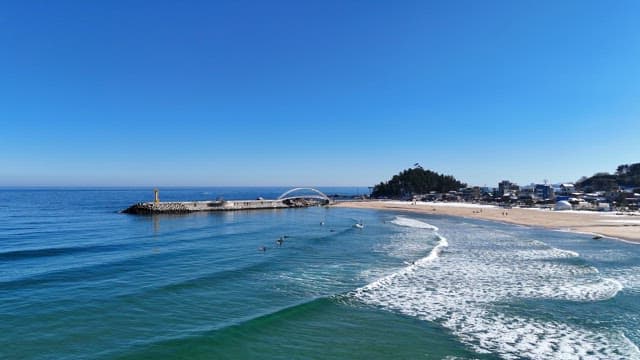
{"type": "Point", "coordinates": [80, 281]}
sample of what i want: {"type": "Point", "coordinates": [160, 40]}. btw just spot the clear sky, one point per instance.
{"type": "Point", "coordinates": [315, 92]}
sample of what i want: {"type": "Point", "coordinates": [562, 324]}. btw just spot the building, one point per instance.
{"type": "Point", "coordinates": [526, 195]}
{"type": "Point", "coordinates": [544, 192]}
{"type": "Point", "coordinates": [506, 187]}
{"type": "Point", "coordinates": [471, 193]}
{"type": "Point", "coordinates": [563, 205]}
{"type": "Point", "coordinates": [566, 189]}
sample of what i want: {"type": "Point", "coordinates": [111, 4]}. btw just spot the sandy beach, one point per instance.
{"type": "Point", "coordinates": [607, 224]}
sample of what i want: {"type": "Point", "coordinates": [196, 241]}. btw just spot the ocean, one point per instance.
{"type": "Point", "coordinates": [78, 280]}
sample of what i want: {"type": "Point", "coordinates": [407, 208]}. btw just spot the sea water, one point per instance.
{"type": "Point", "coordinates": [78, 280]}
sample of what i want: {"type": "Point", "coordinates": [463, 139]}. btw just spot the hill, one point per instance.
{"type": "Point", "coordinates": [625, 176]}
{"type": "Point", "coordinates": [416, 181]}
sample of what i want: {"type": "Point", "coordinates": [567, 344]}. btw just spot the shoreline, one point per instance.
{"type": "Point", "coordinates": [607, 225]}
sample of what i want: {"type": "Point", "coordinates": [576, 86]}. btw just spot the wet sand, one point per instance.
{"type": "Point", "coordinates": [606, 224]}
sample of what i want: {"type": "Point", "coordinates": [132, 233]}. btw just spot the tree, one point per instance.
{"type": "Point", "coordinates": [416, 181]}
{"type": "Point", "coordinates": [622, 169]}
{"type": "Point", "coordinates": [625, 176]}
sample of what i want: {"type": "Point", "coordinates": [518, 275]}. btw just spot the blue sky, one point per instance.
{"type": "Point", "coordinates": [315, 93]}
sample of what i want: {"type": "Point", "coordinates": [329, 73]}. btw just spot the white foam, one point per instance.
{"type": "Point", "coordinates": [465, 290]}
{"type": "Point", "coordinates": [435, 252]}
{"type": "Point", "coordinates": [631, 343]}
{"type": "Point", "coordinates": [413, 223]}
{"type": "Point", "coordinates": [629, 277]}
{"type": "Point", "coordinates": [408, 245]}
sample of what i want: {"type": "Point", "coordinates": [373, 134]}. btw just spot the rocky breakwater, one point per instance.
{"type": "Point", "coordinates": [153, 208]}
{"type": "Point", "coordinates": [182, 207]}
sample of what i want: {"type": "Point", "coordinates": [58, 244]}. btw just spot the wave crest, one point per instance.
{"type": "Point", "coordinates": [466, 290]}
{"type": "Point", "coordinates": [413, 223]}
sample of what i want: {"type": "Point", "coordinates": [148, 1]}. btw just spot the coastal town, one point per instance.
{"type": "Point", "coordinates": [562, 196]}
{"type": "Point", "coordinates": [603, 205]}
{"type": "Point", "coordinates": [601, 192]}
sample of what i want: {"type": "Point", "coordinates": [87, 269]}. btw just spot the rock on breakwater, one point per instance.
{"type": "Point", "coordinates": [181, 207]}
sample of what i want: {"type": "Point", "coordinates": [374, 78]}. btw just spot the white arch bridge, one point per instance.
{"type": "Point", "coordinates": [315, 194]}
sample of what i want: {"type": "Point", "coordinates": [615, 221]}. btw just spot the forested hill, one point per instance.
{"type": "Point", "coordinates": [416, 181]}
{"type": "Point", "coordinates": [625, 176]}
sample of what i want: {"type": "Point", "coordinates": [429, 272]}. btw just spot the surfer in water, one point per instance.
{"type": "Point", "coordinates": [280, 241]}
{"type": "Point", "coordinates": [262, 248]}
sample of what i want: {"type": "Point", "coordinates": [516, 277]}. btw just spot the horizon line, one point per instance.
{"type": "Point", "coordinates": [175, 186]}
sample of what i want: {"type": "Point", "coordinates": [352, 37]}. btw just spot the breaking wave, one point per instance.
{"type": "Point", "coordinates": [413, 223]}
{"type": "Point", "coordinates": [466, 289]}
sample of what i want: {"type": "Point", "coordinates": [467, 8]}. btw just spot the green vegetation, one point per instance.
{"type": "Point", "coordinates": [625, 175]}
{"type": "Point", "coordinates": [416, 181]}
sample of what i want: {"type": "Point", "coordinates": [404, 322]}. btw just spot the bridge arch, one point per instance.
{"type": "Point", "coordinates": [319, 193]}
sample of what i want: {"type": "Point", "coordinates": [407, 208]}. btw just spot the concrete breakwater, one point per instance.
{"type": "Point", "coordinates": [181, 207]}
